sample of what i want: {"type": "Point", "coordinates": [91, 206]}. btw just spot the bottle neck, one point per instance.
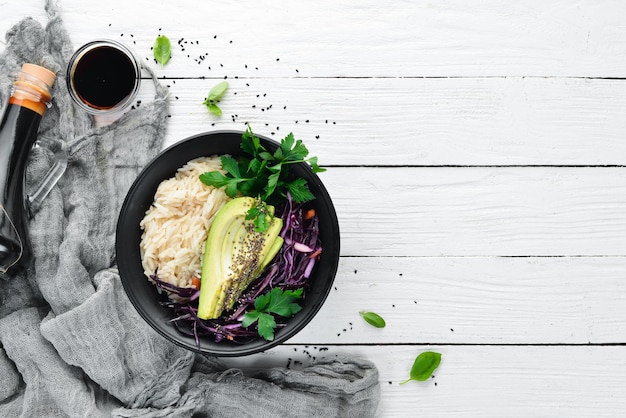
{"type": "Point", "coordinates": [30, 92]}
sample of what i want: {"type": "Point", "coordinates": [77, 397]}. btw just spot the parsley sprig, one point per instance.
{"type": "Point", "coordinates": [277, 301]}
{"type": "Point", "coordinates": [260, 173]}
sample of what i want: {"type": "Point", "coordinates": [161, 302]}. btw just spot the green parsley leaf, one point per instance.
{"type": "Point", "coordinates": [261, 216]}
{"type": "Point", "coordinates": [230, 165]}
{"type": "Point", "coordinates": [251, 144]}
{"type": "Point", "coordinates": [424, 366]}
{"type": "Point", "coordinates": [214, 96]}
{"type": "Point", "coordinates": [316, 168]}
{"type": "Point", "coordinates": [283, 302]}
{"type": "Point", "coordinates": [266, 326]}
{"type": "Point", "coordinates": [261, 173]}
{"type": "Point", "coordinates": [373, 319]}
{"type": "Point", "coordinates": [250, 318]}
{"type": "Point", "coordinates": [299, 191]}
{"type": "Point", "coordinates": [276, 301]}
{"type": "Point", "coordinates": [162, 50]}
{"type": "Point", "coordinates": [217, 179]}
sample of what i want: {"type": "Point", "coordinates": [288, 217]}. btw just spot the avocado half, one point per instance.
{"type": "Point", "coordinates": [235, 254]}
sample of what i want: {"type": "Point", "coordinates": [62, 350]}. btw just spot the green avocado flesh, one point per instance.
{"type": "Point", "coordinates": [234, 255]}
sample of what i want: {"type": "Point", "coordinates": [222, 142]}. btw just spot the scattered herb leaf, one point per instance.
{"type": "Point", "coordinates": [424, 366]}
{"type": "Point", "coordinates": [214, 96]}
{"type": "Point", "coordinates": [276, 302]}
{"type": "Point", "coordinates": [373, 319]}
{"type": "Point", "coordinates": [162, 50]}
{"type": "Point", "coordinates": [263, 174]}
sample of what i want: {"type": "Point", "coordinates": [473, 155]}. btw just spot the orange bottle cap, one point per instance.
{"type": "Point", "coordinates": [41, 73]}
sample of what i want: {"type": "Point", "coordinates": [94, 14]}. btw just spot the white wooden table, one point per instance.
{"type": "Point", "coordinates": [475, 155]}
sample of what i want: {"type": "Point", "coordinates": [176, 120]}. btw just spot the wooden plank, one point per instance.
{"type": "Point", "coordinates": [328, 38]}
{"type": "Point", "coordinates": [485, 381]}
{"type": "Point", "coordinates": [474, 300]}
{"type": "Point", "coordinates": [501, 211]}
{"type": "Point", "coordinates": [467, 121]}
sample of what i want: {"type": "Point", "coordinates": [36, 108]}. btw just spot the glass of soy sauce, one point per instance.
{"type": "Point", "coordinates": [103, 76]}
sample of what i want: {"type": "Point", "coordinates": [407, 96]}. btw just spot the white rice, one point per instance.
{"type": "Point", "coordinates": [175, 227]}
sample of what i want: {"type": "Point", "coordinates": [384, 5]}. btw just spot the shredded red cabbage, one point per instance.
{"type": "Point", "coordinates": [290, 269]}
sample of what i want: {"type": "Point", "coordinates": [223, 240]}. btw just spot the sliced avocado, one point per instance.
{"type": "Point", "coordinates": [234, 255]}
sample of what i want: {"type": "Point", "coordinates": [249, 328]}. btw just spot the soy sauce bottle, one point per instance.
{"type": "Point", "coordinates": [19, 124]}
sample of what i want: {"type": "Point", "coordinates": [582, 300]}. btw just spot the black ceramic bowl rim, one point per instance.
{"type": "Point", "coordinates": [143, 294]}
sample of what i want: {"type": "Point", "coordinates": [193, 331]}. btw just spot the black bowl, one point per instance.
{"type": "Point", "coordinates": [143, 294]}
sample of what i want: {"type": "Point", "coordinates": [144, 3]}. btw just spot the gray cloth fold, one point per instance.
{"type": "Point", "coordinates": [71, 344]}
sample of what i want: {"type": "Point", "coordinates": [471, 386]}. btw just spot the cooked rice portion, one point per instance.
{"type": "Point", "coordinates": [175, 227]}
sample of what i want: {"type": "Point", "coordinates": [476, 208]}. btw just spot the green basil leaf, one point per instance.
{"type": "Point", "coordinates": [217, 92]}
{"type": "Point", "coordinates": [373, 319]}
{"type": "Point", "coordinates": [215, 109]}
{"type": "Point", "coordinates": [162, 50]}
{"type": "Point", "coordinates": [424, 366]}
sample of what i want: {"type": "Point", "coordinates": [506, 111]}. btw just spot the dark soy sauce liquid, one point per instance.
{"type": "Point", "coordinates": [103, 77]}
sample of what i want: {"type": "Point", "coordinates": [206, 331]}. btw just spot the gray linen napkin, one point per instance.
{"type": "Point", "coordinates": [71, 344]}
